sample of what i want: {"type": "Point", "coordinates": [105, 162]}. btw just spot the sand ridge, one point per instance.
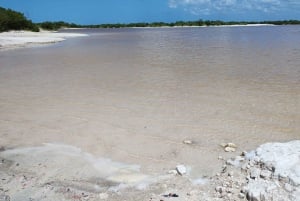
{"type": "Point", "coordinates": [17, 39]}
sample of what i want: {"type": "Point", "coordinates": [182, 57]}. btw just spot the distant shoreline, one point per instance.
{"type": "Point", "coordinates": [238, 25]}
{"type": "Point", "coordinates": [197, 23]}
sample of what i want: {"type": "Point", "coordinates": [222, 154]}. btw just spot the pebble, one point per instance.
{"type": "Point", "coordinates": [187, 142]}
{"type": "Point", "coordinates": [265, 174]}
{"type": "Point", "coordinates": [229, 149]}
{"type": "Point", "coordinates": [241, 195]}
{"type": "Point", "coordinates": [181, 169]}
{"type": "Point", "coordinates": [230, 144]}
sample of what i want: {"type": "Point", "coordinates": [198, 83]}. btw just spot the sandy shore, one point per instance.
{"type": "Point", "coordinates": [61, 172]}
{"type": "Point", "coordinates": [17, 39]}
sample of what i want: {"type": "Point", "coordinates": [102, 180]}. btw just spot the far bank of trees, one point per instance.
{"type": "Point", "coordinates": [12, 20]}
{"type": "Point", "coordinates": [58, 25]}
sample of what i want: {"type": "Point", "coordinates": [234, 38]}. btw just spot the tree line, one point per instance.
{"type": "Point", "coordinates": [12, 20]}
{"type": "Point", "coordinates": [61, 24]}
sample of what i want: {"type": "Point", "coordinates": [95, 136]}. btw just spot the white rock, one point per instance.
{"type": "Point", "coordinates": [230, 144]}
{"type": "Point", "coordinates": [241, 195]}
{"type": "Point", "coordinates": [229, 149]}
{"type": "Point", "coordinates": [181, 169]}
{"type": "Point", "coordinates": [285, 158]}
{"type": "Point", "coordinates": [187, 142]}
{"type": "Point", "coordinates": [265, 174]}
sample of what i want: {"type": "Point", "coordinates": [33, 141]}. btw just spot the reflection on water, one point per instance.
{"type": "Point", "coordinates": [135, 94]}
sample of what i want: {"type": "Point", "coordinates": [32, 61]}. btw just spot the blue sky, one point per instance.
{"type": "Point", "coordinates": [125, 11]}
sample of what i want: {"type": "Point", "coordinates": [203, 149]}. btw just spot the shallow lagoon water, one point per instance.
{"type": "Point", "coordinates": [134, 95]}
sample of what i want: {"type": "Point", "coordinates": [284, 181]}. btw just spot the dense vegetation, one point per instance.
{"type": "Point", "coordinates": [58, 25]}
{"type": "Point", "coordinates": [12, 20]}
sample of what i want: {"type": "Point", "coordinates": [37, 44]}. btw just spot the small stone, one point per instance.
{"type": "Point", "coordinates": [265, 174]}
{"type": "Point", "coordinates": [181, 169]}
{"type": "Point", "coordinates": [229, 149]}
{"type": "Point", "coordinates": [187, 142]}
{"type": "Point", "coordinates": [232, 145]}
{"type": "Point", "coordinates": [220, 158]}
{"type": "Point", "coordinates": [241, 195]}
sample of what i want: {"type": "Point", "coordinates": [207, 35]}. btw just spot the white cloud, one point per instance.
{"type": "Point", "coordinates": [208, 6]}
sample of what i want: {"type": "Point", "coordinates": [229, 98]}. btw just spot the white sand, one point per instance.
{"type": "Point", "coordinates": [15, 39]}
{"type": "Point", "coordinates": [61, 172]}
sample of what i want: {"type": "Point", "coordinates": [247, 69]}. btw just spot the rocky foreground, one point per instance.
{"type": "Point", "coordinates": [271, 172]}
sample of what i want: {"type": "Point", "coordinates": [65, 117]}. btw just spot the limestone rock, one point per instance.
{"type": "Point", "coordinates": [284, 159]}
{"type": "Point", "coordinates": [265, 174]}
{"type": "Point", "coordinates": [181, 169]}
{"type": "Point", "coordinates": [188, 142]}
{"type": "Point", "coordinates": [229, 149]}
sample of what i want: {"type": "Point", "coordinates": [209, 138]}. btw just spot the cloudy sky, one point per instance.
{"type": "Point", "coordinates": [124, 11]}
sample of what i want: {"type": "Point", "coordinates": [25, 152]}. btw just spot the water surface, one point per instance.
{"type": "Point", "coordinates": [134, 95]}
